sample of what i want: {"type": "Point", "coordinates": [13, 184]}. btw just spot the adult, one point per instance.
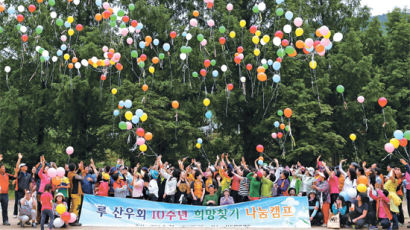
{"type": "Point", "coordinates": [137, 184]}
{"type": "Point", "coordinates": [315, 216]}
{"type": "Point", "coordinates": [89, 179]}
{"type": "Point", "coordinates": [76, 191]}
{"type": "Point", "coordinates": [23, 181]}
{"type": "Point", "coordinates": [198, 189]}
{"type": "Point", "coordinates": [358, 211]}
{"type": "Point", "coordinates": [226, 199]}
{"type": "Point", "coordinates": [4, 191]}
{"type": "Point", "coordinates": [340, 207]}
{"type": "Point", "coordinates": [211, 199]}
{"type": "Point", "coordinates": [27, 209]}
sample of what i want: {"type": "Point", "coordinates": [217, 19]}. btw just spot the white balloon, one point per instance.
{"type": "Point", "coordinates": [287, 28]}
{"type": "Point", "coordinates": [84, 62]}
{"type": "Point", "coordinates": [54, 59]}
{"type": "Point", "coordinates": [77, 65]}
{"type": "Point", "coordinates": [38, 48]}
{"type": "Point", "coordinates": [182, 56]}
{"type": "Point", "coordinates": [7, 69]}
{"type": "Point", "coordinates": [263, 61]}
{"type": "Point", "coordinates": [20, 8]}
{"type": "Point", "coordinates": [76, 2]}
{"type": "Point", "coordinates": [224, 68]}
{"type": "Point", "coordinates": [53, 14]}
{"type": "Point", "coordinates": [261, 6]}
{"type": "Point", "coordinates": [276, 41]}
{"type": "Point", "coordinates": [262, 42]}
{"type": "Point", "coordinates": [23, 29]}
{"type": "Point", "coordinates": [45, 53]}
{"type": "Point", "coordinates": [243, 79]}
{"type": "Point", "coordinates": [94, 59]}
{"type": "Point", "coordinates": [131, 29]}
{"type": "Point", "coordinates": [105, 55]}
{"type": "Point", "coordinates": [188, 36]}
{"type": "Point", "coordinates": [337, 37]}
{"type": "Point", "coordinates": [58, 223]}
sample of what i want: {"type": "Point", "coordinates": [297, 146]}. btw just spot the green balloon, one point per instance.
{"type": "Point", "coordinates": [39, 29]}
{"type": "Point", "coordinates": [255, 9]}
{"type": "Point", "coordinates": [41, 50]}
{"type": "Point", "coordinates": [280, 112]}
{"type": "Point", "coordinates": [59, 22]}
{"type": "Point", "coordinates": [18, 26]}
{"type": "Point", "coordinates": [213, 62]}
{"type": "Point", "coordinates": [51, 2]}
{"type": "Point", "coordinates": [120, 13]}
{"type": "Point", "coordinates": [222, 29]}
{"type": "Point", "coordinates": [287, 128]}
{"type": "Point", "coordinates": [407, 135]}
{"type": "Point", "coordinates": [113, 24]}
{"type": "Point", "coordinates": [134, 54]}
{"type": "Point", "coordinates": [200, 37]}
{"type": "Point", "coordinates": [280, 52]}
{"type": "Point", "coordinates": [289, 50]}
{"type": "Point", "coordinates": [122, 25]}
{"type": "Point", "coordinates": [113, 17]}
{"type": "Point", "coordinates": [194, 74]}
{"type": "Point", "coordinates": [189, 49]}
{"type": "Point", "coordinates": [279, 12]}
{"type": "Point", "coordinates": [131, 6]}
{"type": "Point", "coordinates": [265, 66]}
{"type": "Point", "coordinates": [42, 59]}
{"type": "Point", "coordinates": [122, 125]}
{"type": "Point", "coordinates": [1, 30]}
{"type": "Point", "coordinates": [161, 56]}
{"type": "Point", "coordinates": [141, 64]}
{"type": "Point", "coordinates": [340, 89]}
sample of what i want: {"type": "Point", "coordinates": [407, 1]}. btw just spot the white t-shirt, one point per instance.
{"type": "Point", "coordinates": [153, 187]}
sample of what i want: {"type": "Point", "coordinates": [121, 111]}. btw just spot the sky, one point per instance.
{"type": "Point", "coordinates": [379, 7]}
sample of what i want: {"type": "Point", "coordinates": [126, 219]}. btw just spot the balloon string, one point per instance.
{"type": "Point", "coordinates": [364, 117]}
{"type": "Point", "coordinates": [227, 102]}
{"type": "Point", "coordinates": [355, 151]}
{"type": "Point", "coordinates": [273, 95]}
{"type": "Point", "coordinates": [317, 89]}
{"type": "Point", "coordinates": [344, 102]}
{"type": "Point", "coordinates": [384, 124]}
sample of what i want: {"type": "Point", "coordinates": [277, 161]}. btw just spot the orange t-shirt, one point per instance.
{"type": "Point", "coordinates": [4, 183]}
{"type": "Point", "coordinates": [363, 180]}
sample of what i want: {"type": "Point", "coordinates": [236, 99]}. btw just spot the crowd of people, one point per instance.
{"type": "Point", "coordinates": [362, 197]}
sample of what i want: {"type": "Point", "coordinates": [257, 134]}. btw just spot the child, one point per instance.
{"type": "Point", "coordinates": [47, 207]}
{"type": "Point", "coordinates": [59, 199]}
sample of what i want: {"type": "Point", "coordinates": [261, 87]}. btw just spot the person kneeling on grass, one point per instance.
{"type": "Point", "coordinates": [27, 210]}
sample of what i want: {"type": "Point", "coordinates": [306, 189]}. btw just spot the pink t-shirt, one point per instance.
{"type": "Point", "coordinates": [46, 199]}
{"type": "Point", "coordinates": [138, 188]}
{"type": "Point", "coordinates": [44, 179]}
{"type": "Point", "coordinates": [334, 184]}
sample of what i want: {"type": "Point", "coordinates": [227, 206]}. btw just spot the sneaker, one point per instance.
{"type": "Point", "coordinates": [28, 223]}
{"type": "Point", "coordinates": [75, 224]}
{"type": "Point", "coordinates": [33, 225]}
{"type": "Point", "coordinates": [6, 223]}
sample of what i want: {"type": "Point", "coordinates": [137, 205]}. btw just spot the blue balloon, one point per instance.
{"type": "Point", "coordinates": [289, 15]}
{"type": "Point", "coordinates": [63, 47]}
{"type": "Point", "coordinates": [276, 124]}
{"type": "Point", "coordinates": [46, 58]}
{"type": "Point", "coordinates": [398, 134]}
{"type": "Point", "coordinates": [139, 26]}
{"type": "Point", "coordinates": [67, 24]}
{"type": "Point", "coordinates": [215, 73]}
{"type": "Point", "coordinates": [98, 3]}
{"type": "Point", "coordinates": [121, 103]}
{"type": "Point", "coordinates": [139, 113]}
{"type": "Point", "coordinates": [276, 78]}
{"type": "Point", "coordinates": [345, 195]}
{"type": "Point", "coordinates": [328, 47]}
{"type": "Point", "coordinates": [310, 49]}
{"type": "Point", "coordinates": [116, 112]}
{"type": "Point", "coordinates": [128, 103]}
{"type": "Point", "coordinates": [59, 52]}
{"type": "Point", "coordinates": [260, 162]}
{"type": "Point", "coordinates": [142, 44]}
{"type": "Point", "coordinates": [199, 140]}
{"type": "Point", "coordinates": [208, 114]}
{"type": "Point", "coordinates": [270, 62]}
{"type": "Point", "coordinates": [11, 10]}
{"type": "Point", "coordinates": [183, 34]}
{"type": "Point", "coordinates": [279, 1]}
{"type": "Point", "coordinates": [135, 119]}
{"type": "Point", "coordinates": [166, 47]}
{"type": "Point", "coordinates": [156, 42]}
{"type": "Point", "coordinates": [276, 65]}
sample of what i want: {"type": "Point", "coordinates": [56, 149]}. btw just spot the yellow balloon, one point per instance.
{"type": "Point", "coordinates": [266, 38]}
{"type": "Point", "coordinates": [299, 32]}
{"type": "Point", "coordinates": [395, 142]}
{"type": "Point", "coordinates": [112, 62]}
{"type": "Point", "coordinates": [70, 19]}
{"type": "Point", "coordinates": [232, 34]}
{"type": "Point", "coordinates": [144, 117]}
{"type": "Point", "coordinates": [327, 35]}
{"type": "Point", "coordinates": [256, 52]}
{"type": "Point", "coordinates": [242, 23]}
{"type": "Point", "coordinates": [206, 102]}
{"type": "Point", "coordinates": [313, 64]}
{"type": "Point", "coordinates": [70, 32]}
{"type": "Point", "coordinates": [198, 146]}
{"type": "Point", "coordinates": [66, 56]}
{"type": "Point", "coordinates": [255, 40]}
{"type": "Point", "coordinates": [95, 65]}
{"type": "Point", "coordinates": [60, 209]}
{"type": "Point", "coordinates": [114, 91]}
{"type": "Point", "coordinates": [151, 69]}
{"type": "Point", "coordinates": [361, 188]}
{"type": "Point", "coordinates": [352, 137]}
{"type": "Point", "coordinates": [143, 148]}
{"type": "Point", "coordinates": [128, 115]}
{"type": "Point", "coordinates": [258, 33]}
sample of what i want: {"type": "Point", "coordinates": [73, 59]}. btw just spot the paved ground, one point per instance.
{"type": "Point", "coordinates": [14, 226]}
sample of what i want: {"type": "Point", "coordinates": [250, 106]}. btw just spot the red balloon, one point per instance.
{"type": "Point", "coordinates": [279, 34]}
{"type": "Point", "coordinates": [239, 49]}
{"type": "Point", "coordinates": [253, 29]}
{"type": "Point", "coordinates": [103, 77]}
{"type": "Point", "coordinates": [222, 40]}
{"type": "Point", "coordinates": [119, 66]}
{"type": "Point", "coordinates": [305, 51]}
{"type": "Point", "coordinates": [202, 72]}
{"type": "Point", "coordinates": [403, 142]}
{"type": "Point", "coordinates": [259, 148]}
{"type": "Point", "coordinates": [279, 59]}
{"type": "Point", "coordinates": [237, 60]}
{"type": "Point", "coordinates": [143, 57]}
{"type": "Point", "coordinates": [285, 42]}
{"type": "Point", "coordinates": [316, 43]}
{"type": "Point", "coordinates": [110, 55]}
{"type": "Point", "coordinates": [66, 216]}
{"type": "Point", "coordinates": [207, 63]}
{"type": "Point", "coordinates": [230, 88]}
{"type": "Point", "coordinates": [31, 8]}
{"type": "Point", "coordinates": [125, 19]}
{"type": "Point", "coordinates": [140, 132]}
{"type": "Point", "coordinates": [249, 67]}
{"type": "Point", "coordinates": [210, 5]}
{"type": "Point", "coordinates": [106, 14]}
{"type": "Point", "coordinates": [24, 37]}
{"type": "Point", "coordinates": [79, 27]}
{"type": "Point", "coordinates": [280, 135]}
{"type": "Point", "coordinates": [134, 23]}
{"type": "Point", "coordinates": [173, 34]}
{"type": "Point", "coordinates": [287, 112]}
{"type": "Point", "coordinates": [20, 18]}
{"type": "Point", "coordinates": [382, 102]}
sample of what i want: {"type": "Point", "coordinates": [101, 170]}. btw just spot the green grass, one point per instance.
{"type": "Point", "coordinates": [11, 194]}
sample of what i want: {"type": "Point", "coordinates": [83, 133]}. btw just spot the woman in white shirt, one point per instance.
{"type": "Point", "coordinates": [170, 185]}
{"type": "Point", "coordinates": [349, 186]}
{"type": "Point", "coordinates": [138, 186]}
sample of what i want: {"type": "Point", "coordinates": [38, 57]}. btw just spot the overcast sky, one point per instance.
{"type": "Point", "coordinates": [382, 6]}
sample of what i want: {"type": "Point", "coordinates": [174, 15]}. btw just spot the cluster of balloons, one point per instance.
{"type": "Point", "coordinates": [399, 139]}
{"type": "Point", "coordinates": [65, 216]}
{"type": "Point", "coordinates": [199, 142]}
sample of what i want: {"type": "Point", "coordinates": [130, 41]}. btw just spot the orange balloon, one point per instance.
{"type": "Point", "coordinates": [90, 62]}
{"type": "Point", "coordinates": [262, 77]}
{"type": "Point", "coordinates": [287, 112]}
{"type": "Point", "coordinates": [120, 107]}
{"type": "Point", "coordinates": [320, 48]}
{"type": "Point", "coordinates": [98, 17]}
{"type": "Point", "coordinates": [74, 60]}
{"type": "Point", "coordinates": [293, 54]}
{"type": "Point", "coordinates": [119, 66]}
{"type": "Point", "coordinates": [318, 34]}
{"type": "Point", "coordinates": [56, 181]}
{"type": "Point", "coordinates": [111, 10]}
{"type": "Point", "coordinates": [195, 13]}
{"type": "Point", "coordinates": [148, 136]}
{"type": "Point", "coordinates": [2, 8]}
{"type": "Point", "coordinates": [148, 39]}
{"type": "Point", "coordinates": [260, 158]}
{"type": "Point", "coordinates": [282, 126]}
{"type": "Point", "coordinates": [300, 44]}
{"type": "Point", "coordinates": [260, 69]}
{"type": "Point", "coordinates": [70, 65]}
{"type": "Point", "coordinates": [175, 104]}
{"type": "Point", "coordinates": [145, 87]}
{"type": "Point", "coordinates": [111, 50]}
{"type": "Point", "coordinates": [155, 60]}
{"type": "Point", "coordinates": [39, 1]}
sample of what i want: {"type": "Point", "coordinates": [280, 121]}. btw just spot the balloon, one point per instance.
{"type": "Point", "coordinates": [403, 142]}
{"type": "Point", "coordinates": [198, 146]}
{"type": "Point", "coordinates": [279, 12]}
{"type": "Point", "coordinates": [114, 91]}
{"type": "Point", "coordinates": [352, 136]}
{"type": "Point", "coordinates": [229, 7]}
{"type": "Point", "coordinates": [140, 141]}
{"type": "Point", "coordinates": [362, 188]}
{"type": "Point", "coordinates": [287, 29]}
{"type": "Point", "coordinates": [199, 140]}
{"type": "Point", "coordinates": [398, 134]}
{"type": "Point", "coordinates": [313, 64]}
{"type": "Point", "coordinates": [193, 22]}
{"type": "Point", "coordinates": [382, 102]}
{"type": "Point", "coordinates": [58, 223]}
{"type": "Point", "coordinates": [360, 99]}
{"type": "Point", "coordinates": [229, 87]}
{"type": "Point", "coordinates": [144, 117]}
{"type": "Point", "coordinates": [242, 23]}
{"type": "Point", "coordinates": [276, 124]}
{"type": "Point", "coordinates": [407, 135]}
{"type": "Point", "coordinates": [144, 87]}
{"type": "Point", "coordinates": [69, 150]}
{"type": "Point", "coordinates": [276, 78]}
{"type": "Point", "coordinates": [139, 113]}
{"type": "Point", "coordinates": [143, 148]}
{"type": "Point", "coordinates": [299, 32]}
{"type": "Point", "coordinates": [208, 114]}
{"type": "Point", "coordinates": [206, 102]}
{"type": "Point", "coordinates": [337, 37]}
{"type": "Point", "coordinates": [297, 21]}
{"type": "Point", "coordinates": [73, 218]}
{"type": "Point", "coordinates": [280, 135]}
{"type": "Point", "coordinates": [259, 148]}
{"type": "Point", "coordinates": [395, 143]}
{"type": "Point", "coordinates": [148, 136]}
{"type": "Point", "coordinates": [340, 89]}
{"type": "Point", "coordinates": [52, 172]}
{"type": "Point", "coordinates": [389, 147]}
{"type": "Point", "coordinates": [128, 103]}
{"type": "Point", "coordinates": [274, 135]}
{"type": "Point", "coordinates": [280, 112]}
{"type": "Point", "coordinates": [128, 125]}
{"type": "Point", "coordinates": [289, 15]}
{"type": "Point", "coordinates": [288, 112]}
{"type": "Point", "coordinates": [351, 192]}
{"type": "Point", "coordinates": [66, 216]}
{"type": "Point", "coordinates": [175, 104]}
{"type": "Point", "coordinates": [260, 162]}
{"type": "Point", "coordinates": [282, 126]}
{"type": "Point", "coordinates": [60, 209]}
{"type": "Point", "coordinates": [122, 125]}
{"type": "Point", "coordinates": [128, 115]}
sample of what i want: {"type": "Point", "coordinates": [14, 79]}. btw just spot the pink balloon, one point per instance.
{"type": "Point", "coordinates": [129, 125]}
{"type": "Point", "coordinates": [298, 21]}
{"type": "Point", "coordinates": [106, 62]}
{"type": "Point", "coordinates": [211, 23]}
{"type": "Point", "coordinates": [325, 42]}
{"type": "Point", "coordinates": [204, 42]}
{"type": "Point", "coordinates": [73, 218]}
{"type": "Point", "coordinates": [360, 99]}
{"type": "Point", "coordinates": [140, 141]}
{"type": "Point", "coordinates": [309, 42]}
{"type": "Point", "coordinates": [69, 150]}
{"type": "Point", "coordinates": [60, 171]}
{"type": "Point", "coordinates": [241, 56]}
{"type": "Point", "coordinates": [193, 22]}
{"type": "Point", "coordinates": [105, 49]}
{"type": "Point", "coordinates": [124, 32]}
{"type": "Point", "coordinates": [117, 56]}
{"type": "Point", "coordinates": [389, 147]}
{"type": "Point", "coordinates": [129, 41]}
{"type": "Point", "coordinates": [322, 53]}
{"type": "Point", "coordinates": [324, 30]}
{"type": "Point", "coordinates": [52, 172]}
{"type": "Point", "coordinates": [63, 38]}
{"type": "Point", "coordinates": [229, 7]}
{"type": "Point", "coordinates": [274, 135]}
{"type": "Point", "coordinates": [106, 5]}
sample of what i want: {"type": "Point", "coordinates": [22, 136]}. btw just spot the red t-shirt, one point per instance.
{"type": "Point", "coordinates": [235, 183]}
{"type": "Point", "coordinates": [46, 199]}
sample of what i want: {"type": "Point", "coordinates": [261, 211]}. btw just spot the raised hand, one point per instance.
{"type": "Point", "coordinates": [20, 155]}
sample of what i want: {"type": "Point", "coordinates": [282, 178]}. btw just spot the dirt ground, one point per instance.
{"type": "Point", "coordinates": [14, 226]}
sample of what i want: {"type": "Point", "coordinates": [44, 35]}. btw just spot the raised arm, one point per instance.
{"type": "Point", "coordinates": [341, 167]}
